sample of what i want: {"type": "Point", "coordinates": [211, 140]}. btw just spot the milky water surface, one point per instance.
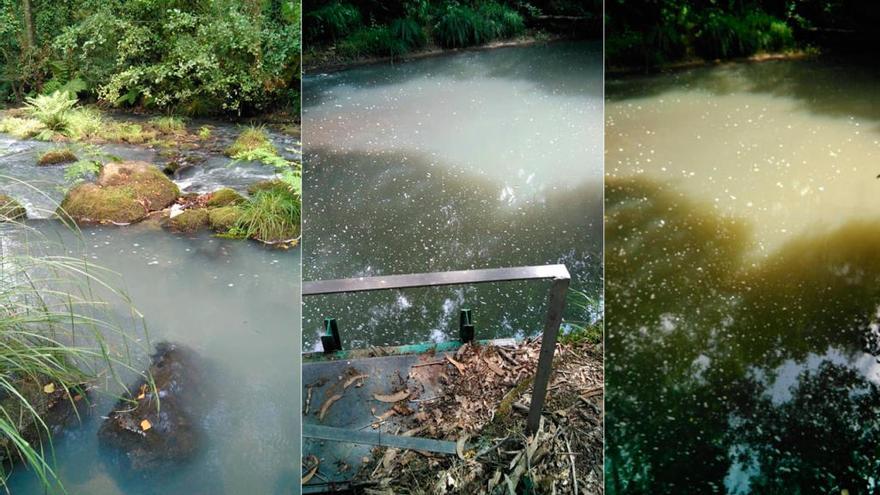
{"type": "Point", "coordinates": [473, 160]}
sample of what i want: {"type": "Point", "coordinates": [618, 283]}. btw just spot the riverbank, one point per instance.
{"type": "Point", "coordinates": [327, 61]}
{"type": "Point", "coordinates": [696, 62]}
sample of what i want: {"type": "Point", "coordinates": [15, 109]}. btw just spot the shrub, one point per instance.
{"type": "Point", "coordinates": [51, 109]}
{"type": "Point", "coordinates": [56, 156]}
{"type": "Point", "coordinates": [376, 41]}
{"type": "Point", "coordinates": [332, 21]}
{"type": "Point", "coordinates": [204, 132]}
{"type": "Point", "coordinates": [408, 32]}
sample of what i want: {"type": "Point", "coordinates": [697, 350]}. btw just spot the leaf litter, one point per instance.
{"type": "Point", "coordinates": [482, 406]}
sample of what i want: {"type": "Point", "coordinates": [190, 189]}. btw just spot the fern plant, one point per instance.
{"type": "Point", "coordinates": [51, 109]}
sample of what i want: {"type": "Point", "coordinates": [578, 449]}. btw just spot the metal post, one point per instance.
{"type": "Point", "coordinates": [330, 341]}
{"type": "Point", "coordinates": [466, 326]}
{"type": "Point", "coordinates": [548, 347]}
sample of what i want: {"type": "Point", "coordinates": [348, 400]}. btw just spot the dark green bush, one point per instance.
{"type": "Point", "coordinates": [460, 25]}
{"type": "Point", "coordinates": [408, 32]}
{"type": "Point", "coordinates": [725, 35]}
{"type": "Point", "coordinates": [503, 21]}
{"type": "Point", "coordinates": [374, 41]}
{"type": "Point", "coordinates": [332, 21]}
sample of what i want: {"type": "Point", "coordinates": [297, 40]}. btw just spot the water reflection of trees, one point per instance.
{"type": "Point", "coordinates": [696, 330]}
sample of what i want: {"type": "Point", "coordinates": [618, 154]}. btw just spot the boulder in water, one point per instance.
{"type": "Point", "coordinates": [124, 193]}
{"type": "Point", "coordinates": [155, 428]}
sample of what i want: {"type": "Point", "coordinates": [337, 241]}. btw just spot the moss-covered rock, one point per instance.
{"type": "Point", "coordinates": [56, 156]}
{"type": "Point", "coordinates": [190, 220]}
{"type": "Point", "coordinates": [224, 197]}
{"type": "Point", "coordinates": [90, 203]}
{"type": "Point", "coordinates": [150, 185]}
{"type": "Point", "coordinates": [224, 218]}
{"type": "Point", "coordinates": [10, 209]}
{"type": "Point", "coordinates": [269, 185]}
{"type": "Point", "coordinates": [125, 193]}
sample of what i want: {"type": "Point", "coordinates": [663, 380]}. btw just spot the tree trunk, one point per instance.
{"type": "Point", "coordinates": [28, 14]}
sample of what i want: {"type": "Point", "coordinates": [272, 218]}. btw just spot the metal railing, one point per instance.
{"type": "Point", "coordinates": [558, 274]}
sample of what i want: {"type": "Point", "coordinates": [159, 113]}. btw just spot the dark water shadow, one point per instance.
{"type": "Point", "coordinates": [697, 331]}
{"type": "Point", "coordinates": [385, 213]}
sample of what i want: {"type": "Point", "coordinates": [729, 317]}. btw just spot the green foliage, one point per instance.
{"type": "Point", "coordinates": [270, 216]}
{"type": "Point", "coordinates": [460, 25]}
{"type": "Point", "coordinates": [332, 21]}
{"type": "Point", "coordinates": [21, 128]}
{"type": "Point", "coordinates": [205, 132]}
{"type": "Point", "coordinates": [503, 21]}
{"type": "Point", "coordinates": [251, 139]}
{"type": "Point", "coordinates": [52, 348]}
{"type": "Point", "coordinates": [667, 31]}
{"type": "Point", "coordinates": [196, 57]}
{"type": "Point", "coordinates": [84, 123]}
{"type": "Point", "coordinates": [408, 32]}
{"type": "Point", "coordinates": [169, 124]}
{"type": "Point", "coordinates": [582, 322]}
{"type": "Point", "coordinates": [81, 170]}
{"type": "Point", "coordinates": [52, 110]}
{"type": "Point", "coordinates": [373, 41]}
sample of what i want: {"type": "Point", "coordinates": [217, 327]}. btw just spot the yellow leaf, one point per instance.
{"type": "Point", "coordinates": [49, 388]}
{"type": "Point", "coordinates": [146, 425]}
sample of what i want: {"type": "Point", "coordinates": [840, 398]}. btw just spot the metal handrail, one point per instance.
{"type": "Point", "coordinates": [556, 305]}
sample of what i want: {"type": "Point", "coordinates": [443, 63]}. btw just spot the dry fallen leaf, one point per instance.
{"type": "Point", "coordinates": [314, 469]}
{"type": "Point", "coordinates": [352, 380]}
{"type": "Point", "coordinates": [396, 397]}
{"type": "Point", "coordinates": [49, 388]}
{"type": "Point", "coordinates": [326, 406]}
{"type": "Point", "coordinates": [458, 366]}
{"type": "Point", "coordinates": [146, 425]}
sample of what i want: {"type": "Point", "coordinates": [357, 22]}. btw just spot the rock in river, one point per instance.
{"type": "Point", "coordinates": [149, 432]}
{"type": "Point", "coordinates": [124, 193]}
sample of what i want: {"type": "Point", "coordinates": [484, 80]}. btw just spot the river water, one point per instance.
{"type": "Point", "coordinates": [743, 295]}
{"type": "Point", "coordinates": [232, 302]}
{"type": "Point", "coordinates": [473, 160]}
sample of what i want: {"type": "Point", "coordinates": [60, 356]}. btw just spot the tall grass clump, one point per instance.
{"type": "Point", "coordinates": [169, 124]}
{"type": "Point", "coordinates": [409, 33]}
{"type": "Point", "coordinates": [459, 26]}
{"type": "Point", "coordinates": [503, 21]}
{"type": "Point", "coordinates": [332, 21]}
{"type": "Point", "coordinates": [271, 215]}
{"type": "Point", "coordinates": [56, 338]}
{"type": "Point", "coordinates": [723, 35]}
{"type": "Point", "coordinates": [583, 318]}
